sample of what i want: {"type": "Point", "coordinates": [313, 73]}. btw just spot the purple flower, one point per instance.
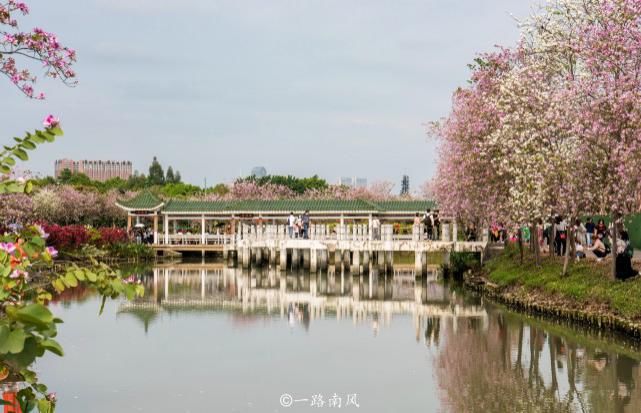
{"type": "Point", "coordinates": [52, 252]}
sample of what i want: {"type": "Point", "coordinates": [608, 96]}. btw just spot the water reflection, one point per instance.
{"type": "Point", "coordinates": [402, 343]}
{"type": "Point", "coordinates": [301, 298]}
{"type": "Point", "coordinates": [524, 365]}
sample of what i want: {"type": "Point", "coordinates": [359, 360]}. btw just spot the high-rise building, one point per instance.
{"type": "Point", "coordinates": [259, 171]}
{"type": "Point", "coordinates": [405, 185]}
{"type": "Point", "coordinates": [95, 170]}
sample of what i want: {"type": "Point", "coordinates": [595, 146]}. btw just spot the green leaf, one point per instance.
{"type": "Point", "coordinates": [71, 280]}
{"type": "Point", "coordinates": [80, 275]}
{"type": "Point", "coordinates": [58, 285]}
{"type": "Point", "coordinates": [9, 161]}
{"type": "Point", "coordinates": [45, 406]}
{"type": "Point", "coordinates": [57, 131]}
{"type": "Point", "coordinates": [28, 145]}
{"type": "Point", "coordinates": [5, 169]}
{"type": "Point", "coordinates": [14, 343]}
{"type": "Point", "coordinates": [35, 314]}
{"type": "Point", "coordinates": [91, 276]}
{"type": "Point", "coordinates": [52, 346]}
{"type": "Point", "coordinates": [21, 154]}
{"type": "Point", "coordinates": [28, 187]}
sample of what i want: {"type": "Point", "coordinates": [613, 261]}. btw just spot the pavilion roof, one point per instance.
{"type": "Point", "coordinates": [147, 201]}
{"type": "Point", "coordinates": [144, 201]}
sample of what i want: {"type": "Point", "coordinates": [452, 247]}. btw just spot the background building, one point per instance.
{"type": "Point", "coordinates": [353, 182]}
{"type": "Point", "coordinates": [405, 185]}
{"type": "Point", "coordinates": [95, 170]}
{"type": "Point", "coordinates": [259, 171]}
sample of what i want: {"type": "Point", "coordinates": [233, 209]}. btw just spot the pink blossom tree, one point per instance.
{"type": "Point", "coordinates": [34, 46]}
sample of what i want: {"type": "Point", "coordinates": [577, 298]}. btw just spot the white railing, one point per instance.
{"type": "Point", "coordinates": [319, 232]}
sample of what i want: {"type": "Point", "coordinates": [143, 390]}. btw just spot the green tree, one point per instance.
{"type": "Point", "coordinates": [169, 176]}
{"type": "Point", "coordinates": [156, 174]}
{"type": "Point", "coordinates": [65, 176]}
{"type": "Point", "coordinates": [177, 177]}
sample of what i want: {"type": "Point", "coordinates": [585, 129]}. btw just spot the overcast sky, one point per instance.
{"type": "Point", "coordinates": [213, 88]}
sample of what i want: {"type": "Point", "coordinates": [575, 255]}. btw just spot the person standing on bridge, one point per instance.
{"type": "Point", "coordinates": [306, 225]}
{"type": "Point", "coordinates": [376, 228]}
{"type": "Point", "coordinates": [291, 221]}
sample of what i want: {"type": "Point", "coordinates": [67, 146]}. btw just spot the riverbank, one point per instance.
{"type": "Point", "coordinates": [585, 295]}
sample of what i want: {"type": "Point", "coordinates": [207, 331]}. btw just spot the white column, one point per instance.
{"type": "Point", "coordinates": [202, 229]}
{"type": "Point", "coordinates": [166, 228]}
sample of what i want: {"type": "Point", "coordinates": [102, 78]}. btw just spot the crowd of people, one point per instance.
{"type": "Point", "coordinates": [431, 224]}
{"type": "Point", "coordinates": [589, 238]}
{"type": "Point", "coordinates": [298, 226]}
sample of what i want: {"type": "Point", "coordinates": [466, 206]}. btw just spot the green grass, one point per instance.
{"type": "Point", "coordinates": [587, 282]}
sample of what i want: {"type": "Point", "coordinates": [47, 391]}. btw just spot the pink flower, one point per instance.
{"type": "Point", "coordinates": [41, 231]}
{"type": "Point", "coordinates": [8, 247]}
{"type": "Point", "coordinates": [19, 273]}
{"type": "Point", "coordinates": [51, 122]}
{"type": "Point", "coordinates": [52, 252]}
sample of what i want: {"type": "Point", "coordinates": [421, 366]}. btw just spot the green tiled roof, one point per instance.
{"type": "Point", "coordinates": [405, 206]}
{"type": "Point", "coordinates": [181, 205]}
{"type": "Point", "coordinates": [299, 205]}
{"type": "Point", "coordinates": [145, 200]}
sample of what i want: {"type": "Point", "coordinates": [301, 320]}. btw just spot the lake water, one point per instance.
{"type": "Point", "coordinates": [208, 338]}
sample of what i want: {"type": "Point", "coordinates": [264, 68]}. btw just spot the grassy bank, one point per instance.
{"type": "Point", "coordinates": [586, 293]}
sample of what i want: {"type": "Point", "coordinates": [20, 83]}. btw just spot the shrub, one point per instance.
{"type": "Point", "coordinates": [68, 237]}
{"type": "Point", "coordinates": [110, 236]}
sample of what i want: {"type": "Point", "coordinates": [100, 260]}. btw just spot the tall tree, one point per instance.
{"type": "Point", "coordinates": [156, 175]}
{"type": "Point", "coordinates": [169, 176]}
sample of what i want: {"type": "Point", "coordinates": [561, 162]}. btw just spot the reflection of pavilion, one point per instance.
{"type": "Point", "coordinates": [205, 287]}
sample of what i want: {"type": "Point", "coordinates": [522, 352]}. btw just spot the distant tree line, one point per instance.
{"type": "Point", "coordinates": [296, 185]}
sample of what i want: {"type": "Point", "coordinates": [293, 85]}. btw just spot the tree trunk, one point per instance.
{"type": "Point", "coordinates": [568, 236]}
{"type": "Point", "coordinates": [520, 241]}
{"type": "Point", "coordinates": [534, 235]}
{"type": "Point", "coordinates": [614, 247]}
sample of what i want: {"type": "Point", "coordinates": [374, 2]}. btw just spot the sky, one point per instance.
{"type": "Point", "coordinates": [301, 87]}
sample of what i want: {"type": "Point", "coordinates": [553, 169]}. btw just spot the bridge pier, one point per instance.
{"type": "Point", "coordinates": [389, 261]}
{"type": "Point", "coordinates": [313, 260]}
{"type": "Point", "coordinates": [306, 253]}
{"type": "Point", "coordinates": [272, 256]}
{"type": "Point", "coordinates": [346, 258]}
{"type": "Point", "coordinates": [366, 259]}
{"type": "Point", "coordinates": [380, 260]}
{"type": "Point", "coordinates": [295, 258]}
{"type": "Point", "coordinates": [323, 255]}
{"type": "Point", "coordinates": [246, 257]}
{"type": "Point", "coordinates": [418, 263]}
{"type": "Point", "coordinates": [338, 258]}
{"type": "Point", "coordinates": [356, 262]}
{"type": "Point", "coordinates": [259, 256]}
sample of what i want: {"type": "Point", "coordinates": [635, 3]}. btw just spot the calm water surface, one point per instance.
{"type": "Point", "coordinates": [207, 338]}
